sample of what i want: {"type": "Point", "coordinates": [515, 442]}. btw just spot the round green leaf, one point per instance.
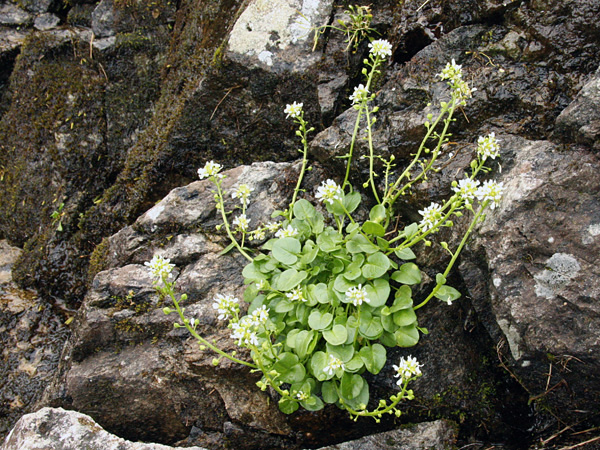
{"type": "Point", "coordinates": [447, 294]}
{"type": "Point", "coordinates": [351, 385]}
{"type": "Point", "coordinates": [369, 326]}
{"type": "Point", "coordinates": [343, 352]}
{"type": "Point", "coordinates": [376, 266]}
{"type": "Point", "coordinates": [406, 254]}
{"type": "Point", "coordinates": [408, 273]}
{"type": "Point", "coordinates": [329, 392]}
{"type": "Point", "coordinates": [313, 403]}
{"type": "Point", "coordinates": [378, 292]}
{"type": "Point", "coordinates": [374, 357]}
{"type": "Point", "coordinates": [377, 213]}
{"type": "Point", "coordinates": [287, 406]}
{"type": "Point", "coordinates": [407, 336]}
{"type": "Point", "coordinates": [402, 299]}
{"type": "Point", "coordinates": [289, 279]}
{"type": "Point", "coordinates": [405, 317]}
{"type": "Point", "coordinates": [285, 250]}
{"type": "Point", "coordinates": [337, 335]}
{"type": "Point", "coordinates": [355, 364]}
{"type": "Point", "coordinates": [304, 210]}
{"type": "Point", "coordinates": [317, 365]}
{"type": "Point", "coordinates": [319, 321]}
{"type": "Point", "coordinates": [373, 228]}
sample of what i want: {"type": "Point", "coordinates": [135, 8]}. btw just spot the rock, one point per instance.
{"type": "Point", "coordinates": [68, 430]}
{"type": "Point", "coordinates": [103, 19]}
{"type": "Point", "coordinates": [438, 435]}
{"type": "Point", "coordinates": [12, 15]}
{"type": "Point", "coordinates": [534, 275]}
{"type": "Point", "coordinates": [35, 6]}
{"type": "Point", "coordinates": [580, 121]}
{"type": "Point", "coordinates": [276, 35]}
{"type": "Point", "coordinates": [45, 22]}
{"type": "Point", "coordinates": [31, 335]}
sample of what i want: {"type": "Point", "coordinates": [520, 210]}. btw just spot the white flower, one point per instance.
{"type": "Point", "coordinates": [258, 234]}
{"type": "Point", "coordinates": [381, 48]}
{"type": "Point", "coordinates": [466, 189]}
{"type": "Point", "coordinates": [273, 226]}
{"type": "Point", "coordinates": [261, 285]}
{"type": "Point", "coordinates": [296, 295]}
{"type": "Point", "coordinates": [243, 333]}
{"type": "Point", "coordinates": [259, 316]}
{"type": "Point", "coordinates": [333, 365]}
{"type": "Point", "coordinates": [490, 191]}
{"type": "Point", "coordinates": [159, 267]}
{"type": "Point", "coordinates": [452, 72]}
{"type": "Point", "coordinates": [431, 216]}
{"type": "Point", "coordinates": [225, 305]}
{"type": "Point", "coordinates": [300, 395]}
{"type": "Point", "coordinates": [242, 192]}
{"type": "Point", "coordinates": [487, 147]}
{"type": "Point", "coordinates": [288, 231]}
{"type": "Point", "coordinates": [407, 369]}
{"type": "Point", "coordinates": [329, 191]}
{"type": "Point", "coordinates": [294, 110]}
{"type": "Point", "coordinates": [210, 169]}
{"type": "Point", "coordinates": [241, 222]}
{"type": "Point", "coordinates": [358, 295]}
{"type": "Point", "coordinates": [360, 94]}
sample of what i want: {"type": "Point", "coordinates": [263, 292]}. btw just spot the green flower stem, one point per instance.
{"type": "Point", "coordinates": [371, 157]}
{"type": "Point", "coordinates": [193, 332]}
{"type": "Point", "coordinates": [226, 222]}
{"type": "Point", "coordinates": [362, 106]}
{"type": "Point", "coordinates": [271, 381]}
{"type": "Point", "coordinates": [377, 412]}
{"type": "Point", "coordinates": [456, 253]}
{"type": "Point", "coordinates": [394, 192]}
{"type": "Point", "coordinates": [304, 133]}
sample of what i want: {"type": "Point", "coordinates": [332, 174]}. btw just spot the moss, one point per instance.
{"type": "Point", "coordinates": [98, 259]}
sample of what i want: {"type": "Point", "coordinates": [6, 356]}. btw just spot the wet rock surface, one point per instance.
{"type": "Point", "coordinates": [32, 334]}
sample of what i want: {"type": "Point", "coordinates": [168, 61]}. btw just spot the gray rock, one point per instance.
{"type": "Point", "coordinates": [13, 15]}
{"type": "Point", "coordinates": [68, 430]}
{"type": "Point", "coordinates": [276, 36]}
{"type": "Point", "coordinates": [103, 19]}
{"type": "Point", "coordinates": [35, 6]}
{"type": "Point", "coordinates": [31, 336]}
{"type": "Point", "coordinates": [580, 121]}
{"type": "Point", "coordinates": [438, 435]}
{"type": "Point", "coordinates": [46, 21]}
{"type": "Point", "coordinates": [538, 292]}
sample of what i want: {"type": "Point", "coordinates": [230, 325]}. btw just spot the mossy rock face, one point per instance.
{"type": "Point", "coordinates": [65, 135]}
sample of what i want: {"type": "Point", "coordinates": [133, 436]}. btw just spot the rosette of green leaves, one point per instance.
{"type": "Point", "coordinates": [323, 263]}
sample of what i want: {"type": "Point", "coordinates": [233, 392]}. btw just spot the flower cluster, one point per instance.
{"type": "Point", "coordinates": [226, 306]}
{"type": "Point", "coordinates": [294, 110]}
{"type": "Point", "coordinates": [466, 190]}
{"type": "Point", "coordinates": [453, 74]}
{"type": "Point", "coordinates": [358, 295]}
{"type": "Point", "coordinates": [329, 191]}
{"type": "Point", "coordinates": [210, 169]}
{"type": "Point", "coordinates": [245, 330]}
{"type": "Point", "coordinates": [242, 192]}
{"type": "Point", "coordinates": [381, 48]}
{"type": "Point", "coordinates": [492, 192]}
{"type": "Point", "coordinates": [333, 365]}
{"type": "Point", "coordinates": [431, 216]}
{"type": "Point", "coordinates": [288, 231]}
{"type": "Point", "coordinates": [487, 147]}
{"type": "Point", "coordinates": [295, 295]}
{"type": "Point", "coordinates": [360, 94]}
{"type": "Point", "coordinates": [159, 267]}
{"type": "Point", "coordinates": [407, 369]}
{"type": "Point", "coordinates": [241, 222]}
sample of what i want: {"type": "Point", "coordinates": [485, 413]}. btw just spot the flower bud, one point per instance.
{"type": "Point", "coordinates": [167, 310]}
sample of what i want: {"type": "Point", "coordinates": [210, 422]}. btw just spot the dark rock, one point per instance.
{"type": "Point", "coordinates": [580, 121]}
{"type": "Point", "coordinates": [32, 334]}
{"type": "Point", "coordinates": [68, 430]}
{"type": "Point", "coordinates": [534, 275]}
{"type": "Point", "coordinates": [35, 6]}
{"type": "Point", "coordinates": [437, 435]}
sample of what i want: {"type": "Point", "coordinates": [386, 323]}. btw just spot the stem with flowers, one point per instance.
{"type": "Point", "coordinates": [326, 302]}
